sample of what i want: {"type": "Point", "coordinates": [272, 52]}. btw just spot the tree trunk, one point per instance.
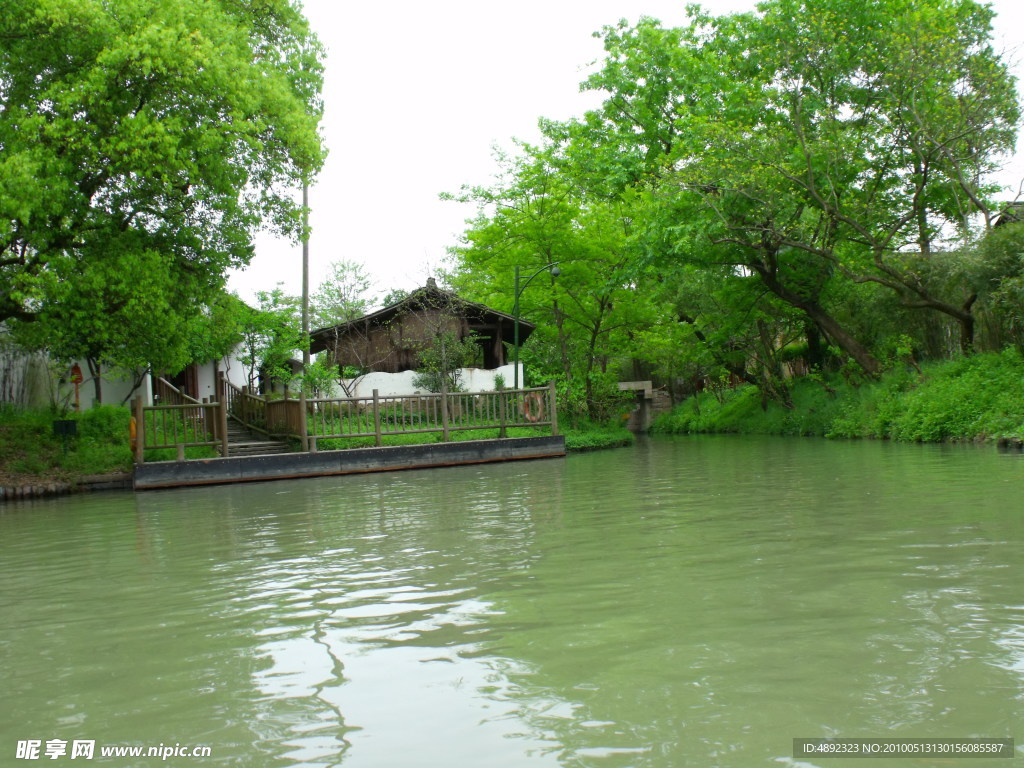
{"type": "Point", "coordinates": [842, 338]}
{"type": "Point", "coordinates": [828, 324]}
{"type": "Point", "coordinates": [97, 382]}
{"type": "Point", "coordinates": [815, 348]}
{"type": "Point", "coordinates": [563, 348]}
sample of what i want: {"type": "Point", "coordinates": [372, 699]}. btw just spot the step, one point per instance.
{"type": "Point", "coordinates": [257, 449]}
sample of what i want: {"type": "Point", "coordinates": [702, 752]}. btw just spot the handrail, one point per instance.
{"type": "Point", "coordinates": [175, 426]}
{"type": "Point", "coordinates": [338, 418]}
{"type": "Point", "coordinates": [166, 388]}
{"type": "Point", "coordinates": [376, 416]}
{"type": "Point", "coordinates": [246, 408]}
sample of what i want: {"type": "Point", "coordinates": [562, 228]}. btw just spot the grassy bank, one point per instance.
{"type": "Point", "coordinates": [30, 453]}
{"type": "Point", "coordinates": [975, 398]}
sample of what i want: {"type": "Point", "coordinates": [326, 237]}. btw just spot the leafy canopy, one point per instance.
{"type": "Point", "coordinates": [142, 145]}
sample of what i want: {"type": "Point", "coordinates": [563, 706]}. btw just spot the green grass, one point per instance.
{"type": "Point", "coordinates": [594, 437]}
{"type": "Point", "coordinates": [975, 398]}
{"type": "Point", "coordinates": [28, 447]}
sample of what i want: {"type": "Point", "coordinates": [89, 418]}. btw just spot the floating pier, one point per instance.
{"type": "Point", "coordinates": [241, 469]}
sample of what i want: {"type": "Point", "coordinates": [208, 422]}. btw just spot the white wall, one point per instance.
{"type": "Point", "coordinates": [31, 379]}
{"type": "Point", "coordinates": [117, 386]}
{"type": "Point", "coordinates": [397, 384]}
{"type": "Point", "coordinates": [206, 380]}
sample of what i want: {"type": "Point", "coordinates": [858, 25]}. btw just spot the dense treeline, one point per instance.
{"type": "Point", "coordinates": [803, 188]}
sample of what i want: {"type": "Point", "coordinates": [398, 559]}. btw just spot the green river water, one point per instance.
{"type": "Point", "coordinates": [687, 602]}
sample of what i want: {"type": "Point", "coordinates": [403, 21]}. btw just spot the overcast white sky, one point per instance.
{"type": "Point", "coordinates": [417, 94]}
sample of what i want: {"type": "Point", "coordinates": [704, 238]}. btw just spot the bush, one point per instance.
{"type": "Point", "coordinates": [980, 397]}
{"type": "Point", "coordinates": [592, 437]}
{"type": "Point", "coordinates": [28, 445]}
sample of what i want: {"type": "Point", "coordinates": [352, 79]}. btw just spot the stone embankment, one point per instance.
{"type": "Point", "coordinates": [43, 488]}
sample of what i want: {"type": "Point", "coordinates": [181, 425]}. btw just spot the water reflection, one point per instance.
{"type": "Point", "coordinates": [686, 602]}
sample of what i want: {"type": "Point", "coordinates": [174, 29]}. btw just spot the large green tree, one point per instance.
{"type": "Point", "coordinates": [142, 145]}
{"type": "Point", "coordinates": [811, 140]}
{"type": "Point", "coordinates": [537, 214]}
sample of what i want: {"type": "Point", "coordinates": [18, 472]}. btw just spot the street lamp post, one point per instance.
{"type": "Point", "coordinates": [555, 272]}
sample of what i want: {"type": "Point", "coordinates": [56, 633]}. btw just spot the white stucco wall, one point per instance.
{"type": "Point", "coordinates": [117, 386]}
{"type": "Point", "coordinates": [31, 379]}
{"type": "Point", "coordinates": [206, 380]}
{"type": "Point", "coordinates": [397, 384]}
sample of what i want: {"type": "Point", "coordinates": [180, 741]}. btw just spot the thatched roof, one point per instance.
{"type": "Point", "coordinates": [430, 297]}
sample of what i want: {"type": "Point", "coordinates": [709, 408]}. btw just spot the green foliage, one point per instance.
{"type": "Point", "coordinates": [442, 360]}
{"type": "Point", "coordinates": [796, 189]}
{"type": "Point", "coordinates": [588, 437]}
{"type": "Point", "coordinates": [344, 295]}
{"type": "Point", "coordinates": [540, 213]}
{"type": "Point", "coordinates": [271, 336]}
{"type": "Point", "coordinates": [978, 397]}
{"type": "Point", "coordinates": [593, 437]}
{"type": "Point", "coordinates": [596, 400]}
{"type": "Point", "coordinates": [143, 145]}
{"type": "Point", "coordinates": [318, 378]}
{"type": "Point", "coordinates": [394, 296]}
{"type": "Point", "coordinates": [171, 454]}
{"type": "Point", "coordinates": [975, 398]}
{"type": "Point", "coordinates": [29, 447]}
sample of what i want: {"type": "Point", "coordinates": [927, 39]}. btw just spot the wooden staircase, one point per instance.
{"type": "Point", "coordinates": [243, 442]}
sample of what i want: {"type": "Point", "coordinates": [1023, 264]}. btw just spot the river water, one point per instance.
{"type": "Point", "coordinates": [686, 602]}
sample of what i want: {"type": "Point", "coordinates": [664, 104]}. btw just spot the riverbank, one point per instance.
{"type": "Point", "coordinates": [980, 398]}
{"type": "Point", "coordinates": [34, 461]}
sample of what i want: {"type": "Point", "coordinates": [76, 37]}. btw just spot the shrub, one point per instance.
{"type": "Point", "coordinates": [980, 397]}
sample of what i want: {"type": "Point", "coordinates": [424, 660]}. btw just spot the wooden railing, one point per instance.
{"type": "Point", "coordinates": [166, 393]}
{"type": "Point", "coordinates": [246, 408]}
{"type": "Point", "coordinates": [178, 427]}
{"type": "Point", "coordinates": [378, 416]}
{"type": "Point", "coordinates": [195, 423]}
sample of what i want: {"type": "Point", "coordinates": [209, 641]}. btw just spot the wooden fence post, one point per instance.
{"type": "Point", "coordinates": [502, 407]}
{"type": "Point", "coordinates": [444, 411]}
{"type": "Point", "coordinates": [303, 431]}
{"type": "Point", "coordinates": [140, 430]}
{"type": "Point", "coordinates": [376, 417]}
{"type": "Point", "coordinates": [552, 402]}
{"type": "Point", "coordinates": [222, 413]}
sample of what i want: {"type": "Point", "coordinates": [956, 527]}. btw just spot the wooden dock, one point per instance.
{"type": "Point", "coordinates": [240, 469]}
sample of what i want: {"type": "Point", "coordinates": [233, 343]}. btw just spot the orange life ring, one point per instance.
{"type": "Point", "coordinates": [533, 407]}
{"type": "Point", "coordinates": [131, 432]}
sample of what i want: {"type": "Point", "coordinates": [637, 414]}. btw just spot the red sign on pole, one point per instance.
{"type": "Point", "coordinates": [76, 379]}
